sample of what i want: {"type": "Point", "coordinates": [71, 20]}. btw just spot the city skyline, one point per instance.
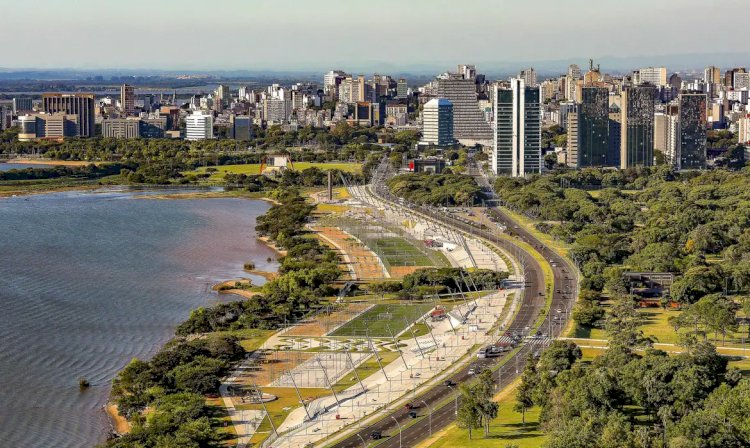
{"type": "Point", "coordinates": [164, 36]}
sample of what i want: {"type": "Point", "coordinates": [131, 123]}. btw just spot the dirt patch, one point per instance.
{"type": "Point", "coordinates": [119, 423]}
{"type": "Point", "coordinates": [402, 271]}
{"type": "Point", "coordinates": [327, 322]}
{"type": "Point", "coordinates": [363, 262]}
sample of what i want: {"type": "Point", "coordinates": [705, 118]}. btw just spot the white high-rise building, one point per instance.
{"type": "Point", "coordinates": [744, 130]}
{"type": "Point", "coordinates": [574, 71]}
{"type": "Point", "coordinates": [437, 122]}
{"type": "Point", "coordinates": [652, 75]}
{"type": "Point", "coordinates": [199, 126]}
{"type": "Point", "coordinates": [331, 82]}
{"type": "Point", "coordinates": [529, 77]}
{"type": "Point", "coordinates": [665, 137]}
{"type": "Point", "coordinates": [518, 130]}
{"type": "Point", "coordinates": [242, 94]}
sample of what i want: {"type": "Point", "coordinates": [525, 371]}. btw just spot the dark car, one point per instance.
{"type": "Point", "coordinates": [448, 383]}
{"type": "Point", "coordinates": [413, 414]}
{"type": "Point", "coordinates": [376, 435]}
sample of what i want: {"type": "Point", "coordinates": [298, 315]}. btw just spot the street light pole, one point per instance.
{"type": "Point", "coordinates": [454, 391]}
{"type": "Point", "coordinates": [364, 444]}
{"type": "Point", "coordinates": [399, 430]}
{"type": "Point", "coordinates": [430, 414]}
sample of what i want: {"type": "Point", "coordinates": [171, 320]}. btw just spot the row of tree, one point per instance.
{"type": "Point", "coordinates": [426, 283]}
{"type": "Point", "coordinates": [436, 189]}
{"type": "Point", "coordinates": [172, 386]}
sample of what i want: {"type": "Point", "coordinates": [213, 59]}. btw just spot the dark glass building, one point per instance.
{"type": "Point", "coordinates": [518, 133]}
{"type": "Point", "coordinates": [637, 126]}
{"type": "Point", "coordinates": [593, 128]}
{"type": "Point", "coordinates": [692, 135]}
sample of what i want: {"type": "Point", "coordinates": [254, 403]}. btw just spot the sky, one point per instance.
{"type": "Point", "coordinates": [359, 34]}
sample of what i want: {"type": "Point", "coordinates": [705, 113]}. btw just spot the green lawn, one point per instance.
{"type": "Point", "coordinates": [398, 252]}
{"type": "Point", "coordinates": [365, 369]}
{"type": "Point", "coordinates": [506, 429]}
{"type": "Point", "coordinates": [379, 318]}
{"type": "Point", "coordinates": [656, 324]}
{"type": "Point", "coordinates": [280, 408]}
{"type": "Point", "coordinates": [530, 226]}
{"type": "Point", "coordinates": [250, 339]}
{"type": "Point", "coordinates": [254, 168]}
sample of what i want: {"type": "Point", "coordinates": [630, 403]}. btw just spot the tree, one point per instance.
{"type": "Point", "coordinates": [525, 391]}
{"type": "Point", "coordinates": [469, 413]}
{"type": "Point", "coordinates": [550, 160]}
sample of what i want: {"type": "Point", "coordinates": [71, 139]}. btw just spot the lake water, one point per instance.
{"type": "Point", "coordinates": [90, 280]}
{"type": "Point", "coordinates": [21, 166]}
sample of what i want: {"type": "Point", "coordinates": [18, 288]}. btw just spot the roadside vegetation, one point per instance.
{"type": "Point", "coordinates": [693, 225]}
{"type": "Point", "coordinates": [436, 189]}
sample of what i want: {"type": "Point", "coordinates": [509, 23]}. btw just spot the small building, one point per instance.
{"type": "Point", "coordinates": [433, 165]}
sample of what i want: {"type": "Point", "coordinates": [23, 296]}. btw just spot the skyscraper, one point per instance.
{"type": "Point", "coordinates": [637, 126]}
{"type": "Point", "coordinates": [241, 127]}
{"type": "Point", "coordinates": [712, 75]}
{"type": "Point", "coordinates": [691, 144]}
{"type": "Point", "coordinates": [79, 104]}
{"type": "Point", "coordinates": [743, 129]}
{"type": "Point", "coordinates": [402, 88]}
{"type": "Point", "coordinates": [518, 130]}
{"type": "Point", "coordinates": [437, 122]}
{"type": "Point", "coordinates": [222, 94]}
{"type": "Point", "coordinates": [574, 71]}
{"type": "Point", "coordinates": [529, 77]}
{"type": "Point", "coordinates": [729, 76]}
{"type": "Point", "coordinates": [665, 137]}
{"type": "Point", "coordinates": [741, 80]}
{"type": "Point", "coordinates": [469, 123]}
{"type": "Point", "coordinates": [652, 75]}
{"type": "Point", "coordinates": [127, 99]}
{"type": "Point", "coordinates": [22, 106]}
{"type": "Point", "coordinates": [199, 126]}
{"type": "Point", "coordinates": [593, 128]}
{"type": "Point", "coordinates": [331, 82]}
{"type": "Point", "coordinates": [571, 152]}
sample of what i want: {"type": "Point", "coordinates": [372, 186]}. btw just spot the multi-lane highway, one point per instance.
{"type": "Point", "coordinates": [434, 411]}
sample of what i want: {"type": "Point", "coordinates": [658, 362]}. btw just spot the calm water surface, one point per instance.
{"type": "Point", "coordinates": [90, 280]}
{"type": "Point", "coordinates": [21, 166]}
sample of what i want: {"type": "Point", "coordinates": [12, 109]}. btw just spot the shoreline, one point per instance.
{"type": "Point", "coordinates": [119, 425]}
{"type": "Point", "coordinates": [268, 243]}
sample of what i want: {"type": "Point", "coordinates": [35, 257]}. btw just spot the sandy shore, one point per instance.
{"type": "Point", "coordinates": [53, 162]}
{"type": "Point", "coordinates": [120, 423]}
{"type": "Point", "coordinates": [268, 243]}
{"type": "Point", "coordinates": [228, 287]}
{"type": "Point", "coordinates": [265, 274]}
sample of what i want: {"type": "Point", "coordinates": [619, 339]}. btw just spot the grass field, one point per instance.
{"type": "Point", "coordinates": [279, 409]}
{"type": "Point", "coordinates": [254, 168]}
{"type": "Point", "coordinates": [250, 339]}
{"type": "Point", "coordinates": [377, 320]}
{"type": "Point", "coordinates": [505, 430]}
{"type": "Point", "coordinates": [396, 251]}
{"type": "Point", "coordinates": [656, 324]}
